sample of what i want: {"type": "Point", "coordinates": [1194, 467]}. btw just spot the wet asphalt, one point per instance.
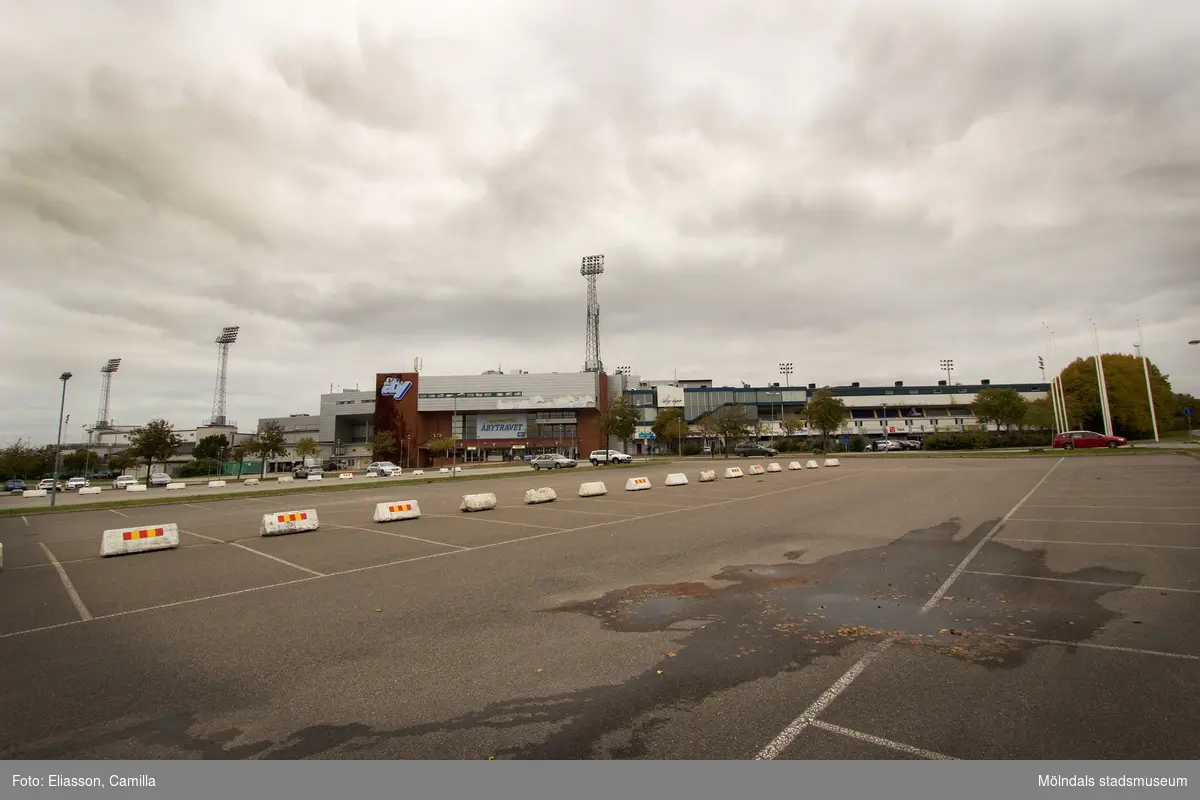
{"type": "Point", "coordinates": [685, 622]}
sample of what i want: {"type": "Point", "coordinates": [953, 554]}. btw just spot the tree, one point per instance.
{"type": "Point", "coordinates": [792, 425]}
{"type": "Point", "coordinates": [733, 423]}
{"type": "Point", "coordinates": [1000, 406]}
{"type": "Point", "coordinates": [270, 443]}
{"type": "Point", "coordinates": [709, 430]}
{"type": "Point", "coordinates": [119, 462]}
{"type": "Point", "coordinates": [826, 412]}
{"type": "Point", "coordinates": [78, 461]}
{"type": "Point", "coordinates": [384, 446]}
{"type": "Point", "coordinates": [210, 447]}
{"type": "Point", "coordinates": [1126, 395]}
{"type": "Point", "coordinates": [670, 426]}
{"type": "Point", "coordinates": [1039, 415]}
{"type": "Point", "coordinates": [154, 441]}
{"type": "Point", "coordinates": [1179, 421]}
{"type": "Point", "coordinates": [619, 421]}
{"type": "Point", "coordinates": [307, 448]}
{"type": "Point", "coordinates": [22, 460]}
{"type": "Point", "coordinates": [240, 451]}
{"type": "Point", "coordinates": [440, 445]}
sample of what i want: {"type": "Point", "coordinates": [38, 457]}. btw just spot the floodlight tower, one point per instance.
{"type": "Point", "coordinates": [228, 336]}
{"type": "Point", "coordinates": [592, 266]}
{"type": "Point", "coordinates": [947, 365]}
{"type": "Point", "coordinates": [102, 418]}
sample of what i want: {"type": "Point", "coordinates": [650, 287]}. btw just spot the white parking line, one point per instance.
{"type": "Point", "coordinates": [1085, 583]}
{"type": "Point", "coordinates": [651, 503]}
{"type": "Point", "coordinates": [1094, 646]}
{"type": "Point", "coordinates": [797, 726]}
{"type": "Point", "coordinates": [193, 505]}
{"type": "Point", "coordinates": [118, 513]}
{"type": "Point", "coordinates": [1101, 521]}
{"type": "Point", "coordinates": [82, 560]}
{"type": "Point", "coordinates": [485, 518]}
{"type": "Point", "coordinates": [557, 507]}
{"type": "Point", "coordinates": [257, 553]}
{"type": "Point", "coordinates": [400, 536]}
{"type": "Point", "coordinates": [1138, 508]}
{"type": "Point", "coordinates": [26, 521]}
{"type": "Point", "coordinates": [877, 740]}
{"type": "Point", "coordinates": [1102, 544]}
{"type": "Point", "coordinates": [84, 614]}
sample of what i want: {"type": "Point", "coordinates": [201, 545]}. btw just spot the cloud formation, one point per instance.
{"type": "Point", "coordinates": [859, 188]}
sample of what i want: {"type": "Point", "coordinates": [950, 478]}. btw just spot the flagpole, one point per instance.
{"type": "Point", "coordinates": [1146, 371]}
{"type": "Point", "coordinates": [1053, 377]}
{"type": "Point", "coordinates": [1059, 395]}
{"type": "Point", "coordinates": [1100, 382]}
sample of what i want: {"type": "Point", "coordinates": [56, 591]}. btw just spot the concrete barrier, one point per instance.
{"type": "Point", "coordinates": [756, 469]}
{"type": "Point", "coordinates": [637, 484]}
{"type": "Point", "coordinates": [676, 479]}
{"type": "Point", "coordinates": [592, 489]}
{"type": "Point", "coordinates": [444, 470]}
{"type": "Point", "coordinates": [215, 484]}
{"type": "Point", "coordinates": [478, 502]}
{"type": "Point", "coordinates": [345, 476]}
{"type": "Point", "coordinates": [773, 467]}
{"type": "Point", "coordinates": [33, 493]}
{"type": "Point", "coordinates": [456, 469]}
{"type": "Point", "coordinates": [315, 477]}
{"type": "Point", "coordinates": [418, 472]}
{"type": "Point", "coordinates": [397, 510]}
{"type": "Point", "coordinates": [284, 479]}
{"type": "Point", "coordinates": [734, 472]}
{"type": "Point", "coordinates": [250, 482]}
{"type": "Point", "coordinates": [543, 495]}
{"type": "Point", "coordinates": [173, 487]}
{"type": "Point", "coordinates": [812, 464]}
{"type": "Point", "coordinates": [795, 465]}
{"type": "Point", "coordinates": [282, 522]}
{"type": "Point", "coordinates": [708, 475]}
{"type": "Point", "coordinates": [832, 462]}
{"type": "Point", "coordinates": [121, 541]}
{"type": "Point", "coordinates": [91, 490]}
{"type": "Point", "coordinates": [136, 487]}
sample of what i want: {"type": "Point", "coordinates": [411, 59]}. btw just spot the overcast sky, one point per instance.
{"type": "Point", "coordinates": [861, 189]}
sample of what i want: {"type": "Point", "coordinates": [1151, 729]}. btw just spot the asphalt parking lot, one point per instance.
{"type": "Point", "coordinates": [982, 608]}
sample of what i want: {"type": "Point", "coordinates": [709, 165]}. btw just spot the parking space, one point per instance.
{"type": "Point", "coordinates": [915, 609]}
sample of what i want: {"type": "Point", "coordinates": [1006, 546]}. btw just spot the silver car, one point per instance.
{"type": "Point", "coordinates": [551, 461]}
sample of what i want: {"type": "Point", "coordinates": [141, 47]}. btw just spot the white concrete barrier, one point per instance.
{"type": "Point", "coordinates": [734, 472]}
{"type": "Point", "coordinates": [345, 476]}
{"type": "Point", "coordinates": [136, 487]}
{"type": "Point", "coordinates": [592, 489]}
{"type": "Point", "coordinates": [397, 510]}
{"type": "Point", "coordinates": [444, 470]}
{"type": "Point", "coordinates": [282, 522]}
{"type": "Point", "coordinates": [215, 484]}
{"type": "Point", "coordinates": [542, 495]}
{"type": "Point", "coordinates": [756, 469]}
{"type": "Point", "coordinates": [418, 472]}
{"type": "Point", "coordinates": [176, 486]}
{"type": "Point", "coordinates": [676, 479]}
{"type": "Point", "coordinates": [457, 469]}
{"type": "Point", "coordinates": [832, 462]}
{"type": "Point", "coordinates": [284, 479]}
{"type": "Point", "coordinates": [637, 484]}
{"type": "Point", "coordinates": [250, 482]}
{"type": "Point", "coordinates": [773, 467]}
{"type": "Point", "coordinates": [708, 475]}
{"type": "Point", "coordinates": [478, 502]}
{"type": "Point", "coordinates": [92, 490]}
{"type": "Point", "coordinates": [812, 464]}
{"type": "Point", "coordinates": [795, 465]}
{"type": "Point", "coordinates": [120, 541]}
{"type": "Point", "coordinates": [33, 493]}
{"type": "Point", "coordinates": [315, 477]}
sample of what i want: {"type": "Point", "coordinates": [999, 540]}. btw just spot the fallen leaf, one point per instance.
{"type": "Point", "coordinates": [378, 610]}
{"type": "Point", "coordinates": [660, 672]}
{"type": "Point", "coordinates": [539, 670]}
{"type": "Point", "coordinates": [672, 654]}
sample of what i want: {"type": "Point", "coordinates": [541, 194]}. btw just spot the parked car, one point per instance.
{"type": "Point", "coordinates": [49, 484]}
{"type": "Point", "coordinates": [77, 483]}
{"type": "Point", "coordinates": [15, 485]}
{"type": "Point", "coordinates": [1069, 440]}
{"type": "Point", "coordinates": [745, 449]}
{"type": "Point", "coordinates": [384, 468]}
{"type": "Point", "coordinates": [124, 480]}
{"type": "Point", "coordinates": [910, 444]}
{"type": "Point", "coordinates": [886, 445]}
{"type": "Point", "coordinates": [599, 457]}
{"type": "Point", "coordinates": [552, 461]}
{"type": "Point", "coordinates": [159, 479]}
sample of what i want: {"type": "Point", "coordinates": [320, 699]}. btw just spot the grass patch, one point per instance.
{"type": "Point", "coordinates": [302, 487]}
{"type": "Point", "coordinates": [1032, 453]}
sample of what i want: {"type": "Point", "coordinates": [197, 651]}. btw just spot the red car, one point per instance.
{"type": "Point", "coordinates": [1069, 440]}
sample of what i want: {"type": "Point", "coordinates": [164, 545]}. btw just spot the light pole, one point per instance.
{"type": "Point", "coordinates": [1146, 370]}
{"type": "Point", "coordinates": [66, 376]}
{"type": "Point", "coordinates": [780, 396]}
{"type": "Point", "coordinates": [454, 440]}
{"type": "Point", "coordinates": [947, 365]}
{"type": "Point", "coordinates": [785, 369]}
{"type": "Point", "coordinates": [87, 453]}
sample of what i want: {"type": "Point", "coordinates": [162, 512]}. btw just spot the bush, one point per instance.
{"type": "Point", "coordinates": [200, 467]}
{"type": "Point", "coordinates": [857, 443]}
{"type": "Point", "coordinates": [984, 440]}
{"type": "Point", "coordinates": [692, 449]}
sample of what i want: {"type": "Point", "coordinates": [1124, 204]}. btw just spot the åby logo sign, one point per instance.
{"type": "Point", "coordinates": [394, 387]}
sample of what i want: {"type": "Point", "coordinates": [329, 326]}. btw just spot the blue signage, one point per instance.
{"type": "Point", "coordinates": [645, 435]}
{"type": "Point", "coordinates": [394, 387]}
{"type": "Point", "coordinates": [1187, 412]}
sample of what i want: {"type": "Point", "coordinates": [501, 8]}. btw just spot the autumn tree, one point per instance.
{"type": "Point", "coordinates": [670, 426]}
{"type": "Point", "coordinates": [825, 412]}
{"type": "Point", "coordinates": [271, 442]}
{"type": "Point", "coordinates": [383, 446]}
{"type": "Point", "coordinates": [999, 406]}
{"type": "Point", "coordinates": [1039, 415]}
{"type": "Point", "coordinates": [440, 445]}
{"type": "Point", "coordinates": [154, 441]}
{"type": "Point", "coordinates": [307, 448]}
{"type": "Point", "coordinates": [733, 424]}
{"type": "Point", "coordinates": [1127, 399]}
{"type": "Point", "coordinates": [619, 421]}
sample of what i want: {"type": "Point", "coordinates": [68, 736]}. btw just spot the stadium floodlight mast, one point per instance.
{"type": "Point", "coordinates": [227, 337]}
{"type": "Point", "coordinates": [592, 267]}
{"type": "Point", "coordinates": [785, 369]}
{"type": "Point", "coordinates": [102, 418]}
{"type": "Point", "coordinates": [947, 365]}
{"type": "Point", "coordinates": [66, 376]}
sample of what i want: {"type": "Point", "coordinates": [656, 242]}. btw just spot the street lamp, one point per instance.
{"type": "Point", "coordinates": [785, 369]}
{"type": "Point", "coordinates": [947, 365]}
{"type": "Point", "coordinates": [780, 396]}
{"type": "Point", "coordinates": [66, 376]}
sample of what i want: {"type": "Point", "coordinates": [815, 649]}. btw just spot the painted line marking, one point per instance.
{"type": "Point", "coordinates": [84, 614]}
{"type": "Point", "coordinates": [599, 513]}
{"type": "Point", "coordinates": [118, 513]}
{"type": "Point", "coordinates": [1101, 521]}
{"type": "Point", "coordinates": [400, 536]}
{"type": "Point", "coordinates": [286, 563]}
{"type": "Point", "coordinates": [1111, 496]}
{"type": "Point", "coordinates": [877, 740]}
{"type": "Point", "coordinates": [480, 518]}
{"type": "Point", "coordinates": [605, 501]}
{"type": "Point", "coordinates": [1082, 583]}
{"type": "Point", "coordinates": [1138, 508]}
{"type": "Point", "coordinates": [398, 562]}
{"type": "Point", "coordinates": [1094, 646]}
{"type": "Point", "coordinates": [26, 521]}
{"type": "Point", "coordinates": [193, 505]}
{"type": "Point", "coordinates": [89, 558]}
{"type": "Point", "coordinates": [1102, 544]}
{"type": "Point", "coordinates": [797, 726]}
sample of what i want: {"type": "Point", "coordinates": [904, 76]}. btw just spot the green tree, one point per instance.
{"type": "Point", "coordinates": [154, 441]}
{"type": "Point", "coordinates": [383, 446]}
{"type": "Point", "coordinates": [1126, 395]}
{"type": "Point", "coordinates": [825, 412]}
{"type": "Point", "coordinates": [733, 424]}
{"type": "Point", "coordinates": [1178, 420]}
{"type": "Point", "coordinates": [78, 461]}
{"type": "Point", "coordinates": [210, 447]}
{"type": "Point", "coordinates": [440, 445]}
{"type": "Point", "coordinates": [999, 406]}
{"type": "Point", "coordinates": [710, 431]}
{"type": "Point", "coordinates": [1039, 415]}
{"type": "Point", "coordinates": [619, 421]}
{"type": "Point", "coordinates": [119, 462]}
{"type": "Point", "coordinates": [307, 447]}
{"type": "Point", "coordinates": [22, 460]}
{"type": "Point", "coordinates": [239, 451]}
{"type": "Point", "coordinates": [792, 424]}
{"type": "Point", "coordinates": [270, 443]}
{"type": "Point", "coordinates": [670, 426]}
